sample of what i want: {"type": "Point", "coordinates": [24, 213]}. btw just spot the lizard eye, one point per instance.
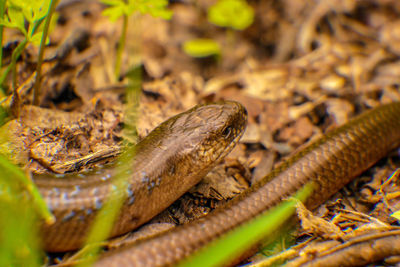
{"type": "Point", "coordinates": [227, 131]}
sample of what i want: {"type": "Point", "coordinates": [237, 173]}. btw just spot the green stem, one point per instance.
{"type": "Point", "coordinates": [121, 46]}
{"type": "Point", "coordinates": [38, 78]}
{"type": "Point", "coordinates": [104, 221]}
{"type": "Point", "coordinates": [2, 8]}
{"type": "Point", "coordinates": [14, 57]}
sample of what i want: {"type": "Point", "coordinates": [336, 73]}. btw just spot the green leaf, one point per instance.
{"type": "Point", "coordinates": [28, 14]}
{"type": "Point", "coordinates": [33, 9]}
{"type": "Point", "coordinates": [53, 22]}
{"type": "Point", "coordinates": [396, 215]}
{"type": "Point", "coordinates": [161, 13]}
{"type": "Point", "coordinates": [117, 8]}
{"type": "Point", "coordinates": [115, 11]}
{"type": "Point", "coordinates": [112, 2]}
{"type": "Point", "coordinates": [156, 8]}
{"type": "Point", "coordinates": [7, 23]}
{"type": "Point", "coordinates": [36, 38]}
{"type": "Point", "coordinates": [235, 14]}
{"type": "Point", "coordinates": [41, 9]}
{"type": "Point", "coordinates": [201, 48]}
{"type": "Point", "coordinates": [16, 18]}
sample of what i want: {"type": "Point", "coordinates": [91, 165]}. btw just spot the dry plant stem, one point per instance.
{"type": "Point", "coordinates": [36, 87]}
{"type": "Point", "coordinates": [358, 216]}
{"type": "Point", "coordinates": [359, 251]}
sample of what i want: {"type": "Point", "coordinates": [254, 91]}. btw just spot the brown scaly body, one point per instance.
{"type": "Point", "coordinates": [331, 162]}
{"type": "Point", "coordinates": [168, 162]}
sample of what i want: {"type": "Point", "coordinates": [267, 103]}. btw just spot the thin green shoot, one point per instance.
{"type": "Point", "coordinates": [243, 238]}
{"type": "Point", "coordinates": [14, 57]}
{"type": "Point", "coordinates": [104, 222]}
{"type": "Point", "coordinates": [2, 9]}
{"type": "Point", "coordinates": [38, 78]}
{"type": "Point", "coordinates": [120, 8]}
{"type": "Point", "coordinates": [121, 47]}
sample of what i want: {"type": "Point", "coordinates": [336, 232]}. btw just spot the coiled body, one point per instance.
{"type": "Point", "coordinates": [179, 152]}
{"type": "Point", "coordinates": [167, 163]}
{"type": "Point", "coordinates": [331, 162]}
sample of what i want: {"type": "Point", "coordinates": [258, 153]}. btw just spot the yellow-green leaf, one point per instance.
{"type": "Point", "coordinates": [16, 18]}
{"type": "Point", "coordinates": [201, 47]}
{"type": "Point", "coordinates": [396, 215]}
{"type": "Point", "coordinates": [235, 14]}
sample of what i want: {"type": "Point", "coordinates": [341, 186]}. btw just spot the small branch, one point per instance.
{"type": "Point", "coordinates": [121, 46]}
{"type": "Point", "coordinates": [359, 251]}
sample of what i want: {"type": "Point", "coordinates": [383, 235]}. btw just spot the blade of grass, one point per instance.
{"type": "Point", "coordinates": [241, 239]}
{"type": "Point", "coordinates": [20, 207]}
{"type": "Point", "coordinates": [121, 46]}
{"type": "Point", "coordinates": [105, 219]}
{"type": "Point", "coordinates": [19, 241]}
{"type": "Point", "coordinates": [16, 175]}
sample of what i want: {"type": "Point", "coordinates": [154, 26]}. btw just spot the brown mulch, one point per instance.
{"type": "Point", "coordinates": [301, 69]}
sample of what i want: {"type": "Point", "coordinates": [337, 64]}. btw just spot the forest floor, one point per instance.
{"type": "Point", "coordinates": [301, 69]}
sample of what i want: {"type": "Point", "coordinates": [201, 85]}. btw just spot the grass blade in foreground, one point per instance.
{"type": "Point", "coordinates": [103, 224]}
{"type": "Point", "coordinates": [19, 240]}
{"type": "Point", "coordinates": [239, 240]}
